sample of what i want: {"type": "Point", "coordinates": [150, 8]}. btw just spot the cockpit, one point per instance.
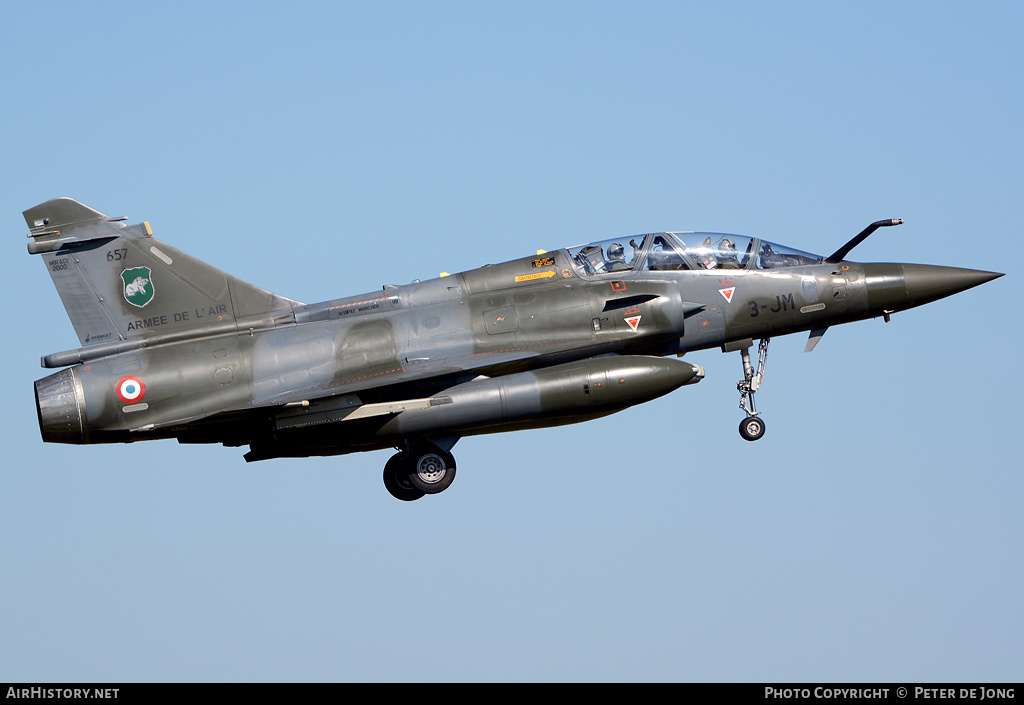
{"type": "Point", "coordinates": [685, 251]}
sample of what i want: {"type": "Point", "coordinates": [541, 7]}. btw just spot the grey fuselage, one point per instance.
{"type": "Point", "coordinates": [544, 340]}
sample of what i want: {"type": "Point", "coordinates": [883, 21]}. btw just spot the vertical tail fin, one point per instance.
{"type": "Point", "coordinates": [118, 282]}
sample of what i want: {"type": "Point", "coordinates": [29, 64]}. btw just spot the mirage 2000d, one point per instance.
{"type": "Point", "coordinates": [174, 348]}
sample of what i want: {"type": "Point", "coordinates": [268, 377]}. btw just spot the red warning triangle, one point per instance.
{"type": "Point", "coordinates": [727, 293]}
{"type": "Point", "coordinates": [633, 322]}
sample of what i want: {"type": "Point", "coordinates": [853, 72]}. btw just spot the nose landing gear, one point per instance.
{"type": "Point", "coordinates": [752, 427]}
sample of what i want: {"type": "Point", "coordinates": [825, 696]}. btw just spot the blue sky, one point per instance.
{"type": "Point", "coordinates": [325, 149]}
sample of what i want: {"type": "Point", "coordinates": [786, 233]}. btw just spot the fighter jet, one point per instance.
{"type": "Point", "coordinates": [175, 348]}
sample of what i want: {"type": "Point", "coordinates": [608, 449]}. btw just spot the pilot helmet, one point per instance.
{"type": "Point", "coordinates": [616, 252]}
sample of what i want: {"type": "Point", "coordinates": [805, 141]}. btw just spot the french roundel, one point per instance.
{"type": "Point", "coordinates": [130, 390]}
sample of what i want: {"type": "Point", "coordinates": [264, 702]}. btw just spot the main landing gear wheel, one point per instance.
{"type": "Point", "coordinates": [396, 479]}
{"type": "Point", "coordinates": [431, 469]}
{"type": "Point", "coordinates": [423, 469]}
{"type": "Point", "coordinates": [751, 428]}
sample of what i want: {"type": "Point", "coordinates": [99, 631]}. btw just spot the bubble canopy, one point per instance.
{"type": "Point", "coordinates": [676, 251]}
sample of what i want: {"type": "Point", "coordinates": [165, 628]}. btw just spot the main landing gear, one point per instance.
{"type": "Point", "coordinates": [422, 468]}
{"type": "Point", "coordinates": [752, 427]}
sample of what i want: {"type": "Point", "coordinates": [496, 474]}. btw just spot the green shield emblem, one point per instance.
{"type": "Point", "coordinates": [138, 286]}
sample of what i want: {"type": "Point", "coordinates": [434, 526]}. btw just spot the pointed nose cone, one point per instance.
{"type": "Point", "coordinates": [895, 287]}
{"type": "Point", "coordinates": [927, 282]}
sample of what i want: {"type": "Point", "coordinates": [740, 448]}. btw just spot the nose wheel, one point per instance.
{"type": "Point", "coordinates": [752, 427]}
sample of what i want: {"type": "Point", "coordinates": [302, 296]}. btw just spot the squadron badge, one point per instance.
{"type": "Point", "coordinates": [138, 286]}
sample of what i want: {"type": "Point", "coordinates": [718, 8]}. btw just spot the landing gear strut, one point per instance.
{"type": "Point", "coordinates": [752, 427]}
{"type": "Point", "coordinates": [421, 469]}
